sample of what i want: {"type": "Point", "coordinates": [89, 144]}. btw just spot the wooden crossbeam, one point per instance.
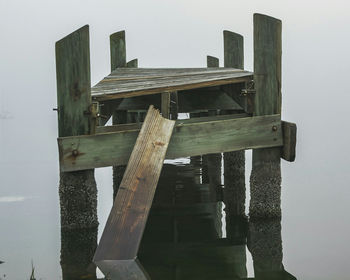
{"type": "Point", "coordinates": [117, 249]}
{"type": "Point", "coordinates": [191, 138]}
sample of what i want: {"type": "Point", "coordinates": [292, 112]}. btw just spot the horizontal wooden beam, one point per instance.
{"type": "Point", "coordinates": [188, 139]}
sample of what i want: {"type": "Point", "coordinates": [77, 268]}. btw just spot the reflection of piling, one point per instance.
{"type": "Point", "coordinates": [265, 180]}
{"type": "Point", "coordinates": [265, 245]}
{"type": "Point", "coordinates": [77, 190]}
{"type": "Point", "coordinates": [78, 248]}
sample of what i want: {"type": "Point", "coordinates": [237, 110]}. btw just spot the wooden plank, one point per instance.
{"type": "Point", "coordinates": [123, 232]}
{"type": "Point", "coordinates": [289, 141]}
{"type": "Point", "coordinates": [189, 139]}
{"type": "Point", "coordinates": [266, 171]}
{"type": "Point", "coordinates": [126, 82]}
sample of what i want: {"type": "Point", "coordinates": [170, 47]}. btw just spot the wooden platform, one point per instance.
{"type": "Point", "coordinates": [129, 82]}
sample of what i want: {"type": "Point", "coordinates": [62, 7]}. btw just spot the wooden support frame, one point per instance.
{"type": "Point", "coordinates": [114, 148]}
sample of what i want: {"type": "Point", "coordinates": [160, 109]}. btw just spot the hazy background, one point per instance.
{"type": "Point", "coordinates": [316, 45]}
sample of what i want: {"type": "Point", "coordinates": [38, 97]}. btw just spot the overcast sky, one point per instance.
{"type": "Point", "coordinates": [316, 64]}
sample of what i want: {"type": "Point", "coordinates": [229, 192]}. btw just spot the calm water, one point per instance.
{"type": "Point", "coordinates": [188, 236]}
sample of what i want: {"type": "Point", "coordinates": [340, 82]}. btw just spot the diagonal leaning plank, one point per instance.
{"type": "Point", "coordinates": [123, 232]}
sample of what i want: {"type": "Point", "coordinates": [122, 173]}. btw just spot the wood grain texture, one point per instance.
{"type": "Point", "coordinates": [123, 232]}
{"type": "Point", "coordinates": [189, 139]}
{"type": "Point", "coordinates": [289, 141]}
{"type": "Point", "coordinates": [117, 50]}
{"type": "Point", "coordinates": [73, 83]}
{"type": "Point", "coordinates": [128, 82]}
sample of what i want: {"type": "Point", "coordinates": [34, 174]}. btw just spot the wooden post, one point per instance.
{"type": "Point", "coordinates": [165, 105]}
{"type": "Point", "coordinates": [211, 165]}
{"type": "Point", "coordinates": [265, 179]}
{"type": "Point", "coordinates": [118, 59]}
{"type": "Point", "coordinates": [77, 190]}
{"type": "Point", "coordinates": [234, 162]}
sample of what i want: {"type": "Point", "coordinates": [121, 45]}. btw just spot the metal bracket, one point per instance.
{"type": "Point", "coordinates": [249, 88]}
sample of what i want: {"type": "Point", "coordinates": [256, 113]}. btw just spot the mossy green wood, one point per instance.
{"type": "Point", "coordinates": [233, 50]}
{"type": "Point", "coordinates": [212, 61]}
{"type": "Point", "coordinates": [234, 57]}
{"type": "Point", "coordinates": [267, 64]}
{"type": "Point", "coordinates": [83, 152]}
{"type": "Point", "coordinates": [73, 83]}
{"type": "Point", "coordinates": [132, 63]}
{"type": "Point", "coordinates": [118, 50]}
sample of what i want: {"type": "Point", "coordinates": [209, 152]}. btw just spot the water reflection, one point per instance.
{"type": "Point", "coordinates": [185, 237]}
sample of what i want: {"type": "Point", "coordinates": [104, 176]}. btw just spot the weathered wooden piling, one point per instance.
{"type": "Point", "coordinates": [234, 162]}
{"type": "Point", "coordinates": [265, 179]}
{"type": "Point", "coordinates": [118, 59]}
{"type": "Point", "coordinates": [77, 190]}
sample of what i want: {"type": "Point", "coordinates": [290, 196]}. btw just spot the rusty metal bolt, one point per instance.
{"type": "Point", "coordinates": [274, 128]}
{"type": "Point", "coordinates": [75, 153]}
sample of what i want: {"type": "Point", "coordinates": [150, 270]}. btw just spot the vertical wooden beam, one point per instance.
{"type": "Point", "coordinates": [118, 59]}
{"type": "Point", "coordinates": [118, 50]}
{"type": "Point", "coordinates": [77, 190]}
{"type": "Point", "coordinates": [234, 162]}
{"type": "Point", "coordinates": [211, 166]}
{"type": "Point", "coordinates": [265, 179]}
{"type": "Point", "coordinates": [165, 105]}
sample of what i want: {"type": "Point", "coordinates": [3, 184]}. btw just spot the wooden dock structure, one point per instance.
{"type": "Point", "coordinates": [231, 110]}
